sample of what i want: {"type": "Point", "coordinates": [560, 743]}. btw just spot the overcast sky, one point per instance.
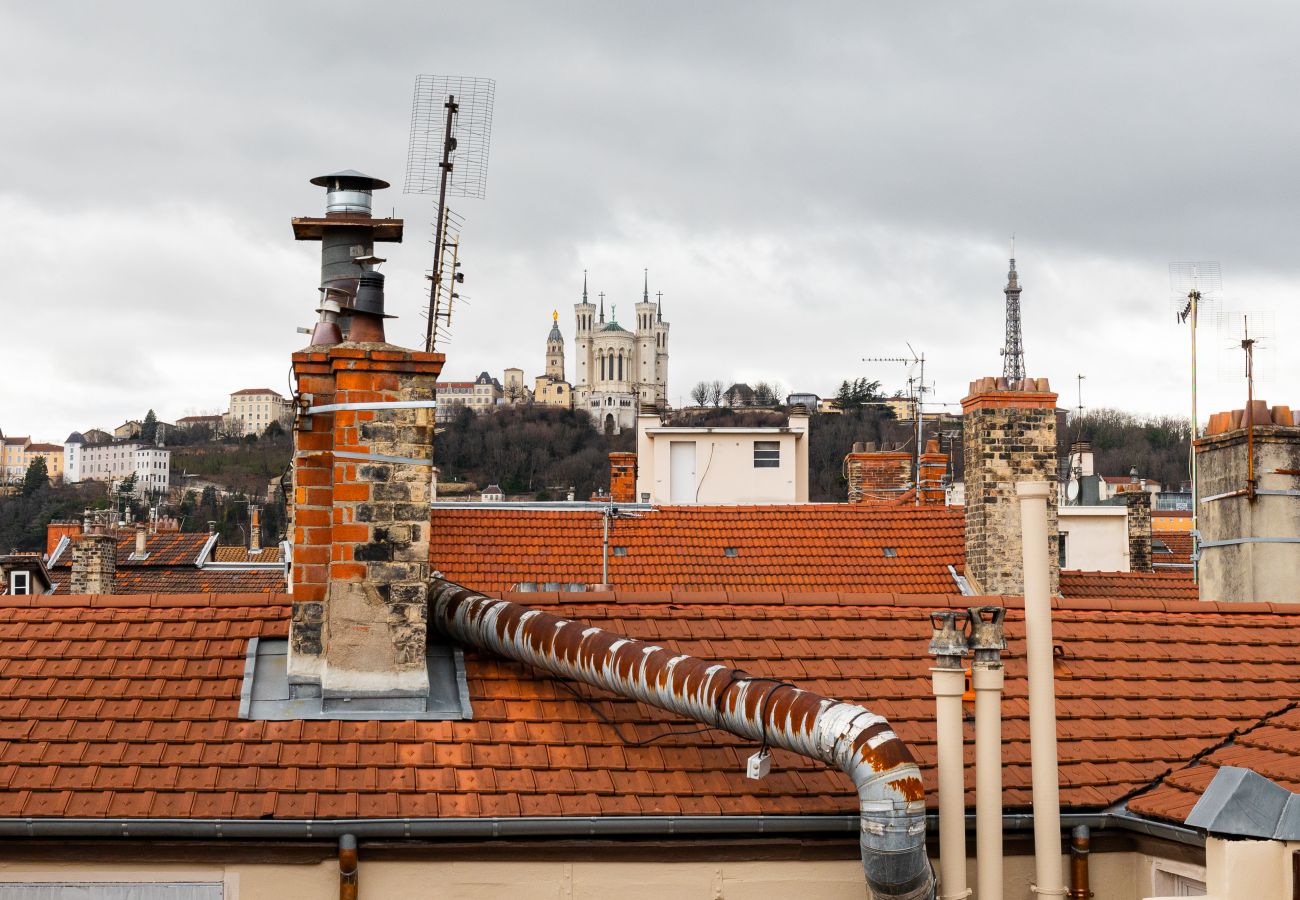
{"type": "Point", "coordinates": [809, 184]}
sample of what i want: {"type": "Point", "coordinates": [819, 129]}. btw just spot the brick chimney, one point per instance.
{"type": "Point", "coordinates": [1249, 542]}
{"type": "Point", "coordinates": [56, 530]}
{"type": "Point", "coordinates": [934, 466]}
{"type": "Point", "coordinates": [877, 476]}
{"type": "Point", "coordinates": [254, 529]}
{"type": "Point", "coordinates": [1139, 531]}
{"type": "Point", "coordinates": [1009, 435]}
{"type": "Point", "coordinates": [622, 477]}
{"type": "Point", "coordinates": [94, 561]}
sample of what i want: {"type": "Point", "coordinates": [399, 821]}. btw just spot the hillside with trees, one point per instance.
{"type": "Point", "coordinates": [1157, 446]}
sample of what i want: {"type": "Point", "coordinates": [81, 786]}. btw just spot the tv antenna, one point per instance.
{"type": "Point", "coordinates": [451, 129]}
{"type": "Point", "coordinates": [1196, 287]}
{"type": "Point", "coordinates": [916, 389]}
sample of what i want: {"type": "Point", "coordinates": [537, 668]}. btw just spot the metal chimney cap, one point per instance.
{"type": "Point", "coordinates": [350, 178]}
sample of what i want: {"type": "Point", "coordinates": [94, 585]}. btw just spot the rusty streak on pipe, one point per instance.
{"type": "Point", "coordinates": [348, 865]}
{"type": "Point", "coordinates": [1080, 848]}
{"type": "Point", "coordinates": [891, 797]}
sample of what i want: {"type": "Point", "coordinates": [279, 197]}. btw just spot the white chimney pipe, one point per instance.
{"type": "Point", "coordinates": [141, 540]}
{"type": "Point", "coordinates": [1048, 870]}
{"type": "Point", "coordinates": [987, 641]}
{"type": "Point", "coordinates": [949, 644]}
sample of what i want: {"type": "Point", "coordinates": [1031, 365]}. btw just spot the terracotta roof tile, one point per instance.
{"type": "Point", "coordinates": [827, 547]}
{"type": "Point", "coordinates": [1180, 547]}
{"type": "Point", "coordinates": [121, 720]}
{"type": "Point", "coordinates": [1154, 587]}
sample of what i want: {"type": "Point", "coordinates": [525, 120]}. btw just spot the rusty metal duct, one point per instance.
{"type": "Point", "coordinates": [890, 794]}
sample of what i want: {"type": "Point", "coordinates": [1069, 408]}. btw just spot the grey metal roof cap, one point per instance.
{"type": "Point", "coordinates": [75, 438]}
{"type": "Point", "coordinates": [373, 184]}
{"type": "Point", "coordinates": [1243, 803]}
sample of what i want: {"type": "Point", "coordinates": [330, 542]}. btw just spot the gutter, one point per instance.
{"type": "Point", "coordinates": [536, 827]}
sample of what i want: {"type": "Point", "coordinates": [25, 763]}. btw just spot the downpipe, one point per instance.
{"type": "Point", "coordinates": [891, 799]}
{"type": "Point", "coordinates": [348, 866]}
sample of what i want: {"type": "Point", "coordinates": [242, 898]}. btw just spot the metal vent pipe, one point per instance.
{"type": "Point", "coordinates": [987, 641]}
{"type": "Point", "coordinates": [891, 798]}
{"type": "Point", "coordinates": [948, 645]}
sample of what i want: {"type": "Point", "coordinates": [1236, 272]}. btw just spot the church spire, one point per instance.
{"type": "Point", "coordinates": [645, 294]}
{"type": "Point", "coordinates": [602, 307]}
{"type": "Point", "coordinates": [584, 285]}
{"type": "Point", "coordinates": [659, 306]}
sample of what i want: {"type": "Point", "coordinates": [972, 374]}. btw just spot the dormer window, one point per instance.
{"type": "Point", "coordinates": [20, 582]}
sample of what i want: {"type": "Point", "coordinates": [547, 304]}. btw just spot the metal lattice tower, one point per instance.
{"type": "Point", "coordinates": [1013, 351]}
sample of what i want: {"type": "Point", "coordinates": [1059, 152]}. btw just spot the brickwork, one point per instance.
{"type": "Point", "coordinates": [1008, 436]}
{"type": "Point", "coordinates": [363, 611]}
{"type": "Point", "coordinates": [94, 561]}
{"type": "Point", "coordinates": [878, 477]}
{"type": "Point", "coordinates": [1139, 531]}
{"type": "Point", "coordinates": [934, 466]}
{"type": "Point", "coordinates": [622, 477]}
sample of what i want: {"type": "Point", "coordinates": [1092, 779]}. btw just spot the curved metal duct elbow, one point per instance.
{"type": "Point", "coordinates": [891, 797]}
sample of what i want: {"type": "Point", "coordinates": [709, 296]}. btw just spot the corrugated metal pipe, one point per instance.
{"type": "Point", "coordinates": [891, 798]}
{"type": "Point", "coordinates": [348, 865]}
{"type": "Point", "coordinates": [948, 645]}
{"type": "Point", "coordinates": [987, 641]}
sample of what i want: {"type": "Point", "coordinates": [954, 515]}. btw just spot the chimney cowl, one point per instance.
{"type": "Point", "coordinates": [948, 641]}
{"type": "Point", "coordinates": [349, 192]}
{"type": "Point", "coordinates": [370, 295]}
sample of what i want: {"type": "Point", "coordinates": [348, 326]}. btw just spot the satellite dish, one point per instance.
{"type": "Point", "coordinates": [1072, 490]}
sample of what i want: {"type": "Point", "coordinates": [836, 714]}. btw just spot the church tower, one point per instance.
{"type": "Point", "coordinates": [555, 349]}
{"type": "Point", "coordinates": [584, 315]}
{"type": "Point", "coordinates": [645, 383]}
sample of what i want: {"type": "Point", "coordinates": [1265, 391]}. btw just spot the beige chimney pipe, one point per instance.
{"type": "Point", "coordinates": [141, 540]}
{"type": "Point", "coordinates": [1049, 880]}
{"type": "Point", "coordinates": [948, 644]}
{"type": "Point", "coordinates": [987, 641]}
{"type": "Point", "coordinates": [254, 529]}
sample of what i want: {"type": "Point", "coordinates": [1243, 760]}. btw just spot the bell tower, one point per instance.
{"type": "Point", "coordinates": [555, 349]}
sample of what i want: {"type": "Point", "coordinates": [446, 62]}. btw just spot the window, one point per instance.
{"type": "Point", "coordinates": [767, 454]}
{"type": "Point", "coordinates": [20, 582]}
{"type": "Point", "coordinates": [1060, 549]}
{"type": "Point", "coordinates": [620, 551]}
{"type": "Point", "coordinates": [730, 551]}
{"type": "Point", "coordinates": [891, 552]}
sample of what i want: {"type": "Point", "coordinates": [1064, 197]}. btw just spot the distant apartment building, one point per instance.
{"type": "Point", "coordinates": [480, 395]}
{"type": "Point", "coordinates": [213, 422]}
{"type": "Point", "coordinates": [53, 455]}
{"type": "Point", "coordinates": [253, 409]}
{"type": "Point", "coordinates": [13, 457]}
{"type": "Point", "coordinates": [115, 461]}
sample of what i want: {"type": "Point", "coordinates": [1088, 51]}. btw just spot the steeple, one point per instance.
{"type": "Point", "coordinates": [584, 285]}
{"type": "Point", "coordinates": [602, 307]}
{"type": "Point", "coordinates": [555, 327]}
{"type": "Point", "coordinates": [659, 307]}
{"type": "Point", "coordinates": [645, 294]}
{"type": "Point", "coordinates": [1013, 350]}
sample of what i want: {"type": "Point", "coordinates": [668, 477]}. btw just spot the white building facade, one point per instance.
{"type": "Point", "coordinates": [117, 460]}
{"type": "Point", "coordinates": [617, 370]}
{"type": "Point", "coordinates": [252, 409]}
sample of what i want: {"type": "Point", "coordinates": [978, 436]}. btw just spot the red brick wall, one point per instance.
{"type": "Point", "coordinates": [622, 477]}
{"type": "Point", "coordinates": [880, 477]}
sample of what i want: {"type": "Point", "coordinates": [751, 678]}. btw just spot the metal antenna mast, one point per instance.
{"type": "Point", "coordinates": [451, 128]}
{"type": "Point", "coordinates": [1195, 285]}
{"type": "Point", "coordinates": [1013, 350]}
{"type": "Point", "coordinates": [916, 386]}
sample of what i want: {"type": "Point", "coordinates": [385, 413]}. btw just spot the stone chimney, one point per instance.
{"type": "Point", "coordinates": [1139, 531]}
{"type": "Point", "coordinates": [622, 477]}
{"type": "Point", "coordinates": [877, 476]}
{"type": "Point", "coordinates": [362, 490]}
{"type": "Point", "coordinates": [141, 540]}
{"type": "Point", "coordinates": [94, 561]}
{"type": "Point", "coordinates": [1008, 435]}
{"type": "Point", "coordinates": [934, 466]}
{"type": "Point", "coordinates": [1249, 539]}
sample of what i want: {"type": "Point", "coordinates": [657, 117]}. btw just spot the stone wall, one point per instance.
{"type": "Point", "coordinates": [94, 563]}
{"type": "Point", "coordinates": [1008, 435]}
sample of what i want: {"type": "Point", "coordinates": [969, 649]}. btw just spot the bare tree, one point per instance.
{"type": "Point", "coordinates": [700, 393]}
{"type": "Point", "coordinates": [715, 393]}
{"type": "Point", "coordinates": [763, 394]}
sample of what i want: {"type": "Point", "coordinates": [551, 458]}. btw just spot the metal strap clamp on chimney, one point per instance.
{"type": "Point", "coordinates": [891, 796]}
{"type": "Point", "coordinates": [987, 641]}
{"type": "Point", "coordinates": [948, 644]}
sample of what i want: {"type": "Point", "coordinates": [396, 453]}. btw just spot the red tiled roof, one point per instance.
{"type": "Point", "coordinates": [45, 448]}
{"type": "Point", "coordinates": [813, 546]}
{"type": "Point", "coordinates": [1180, 542]}
{"type": "Point", "coordinates": [128, 707]}
{"type": "Point", "coordinates": [171, 566]}
{"type": "Point", "coordinates": [163, 548]}
{"type": "Point", "coordinates": [1177, 585]}
{"type": "Point", "coordinates": [193, 580]}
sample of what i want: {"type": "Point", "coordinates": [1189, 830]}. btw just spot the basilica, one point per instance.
{"type": "Point", "coordinates": [617, 369]}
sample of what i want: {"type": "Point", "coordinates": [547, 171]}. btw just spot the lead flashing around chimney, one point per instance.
{"type": "Point", "coordinates": [1242, 803]}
